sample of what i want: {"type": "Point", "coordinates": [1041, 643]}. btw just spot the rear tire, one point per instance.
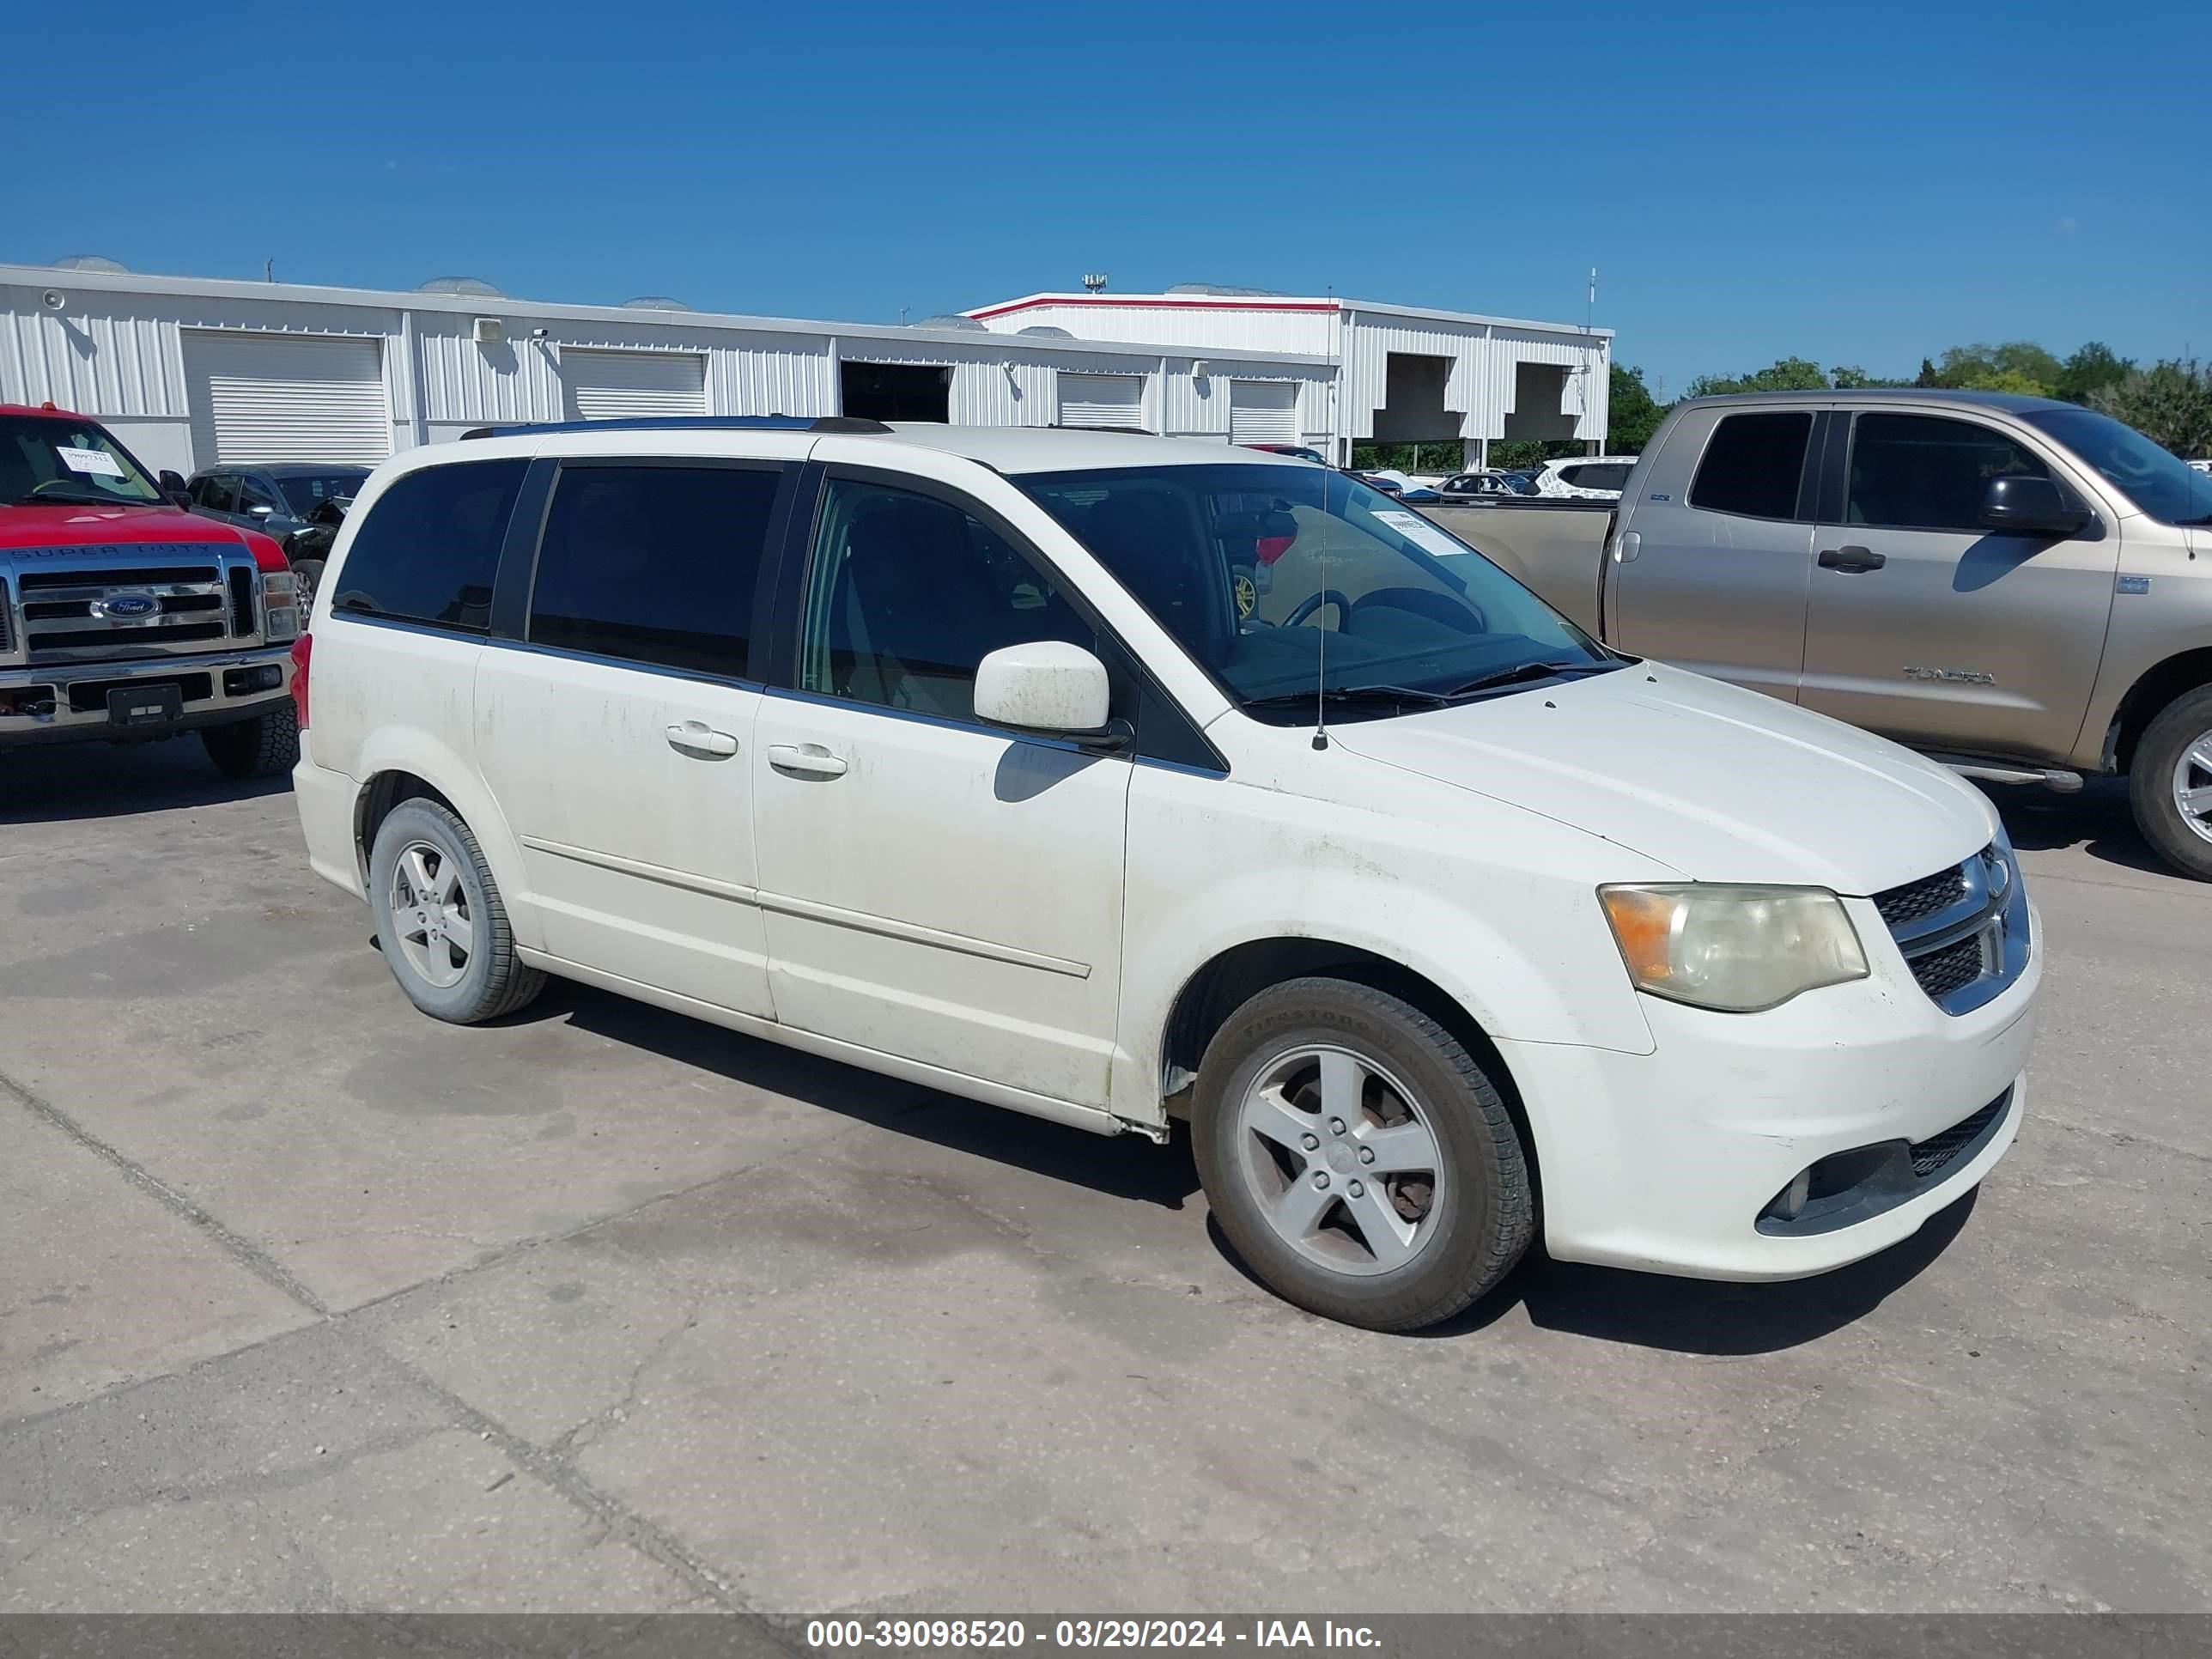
{"type": "Point", "coordinates": [439, 919]}
{"type": "Point", "coordinates": [265, 746]}
{"type": "Point", "coordinates": [2171, 772]}
{"type": "Point", "coordinates": [1357, 1157]}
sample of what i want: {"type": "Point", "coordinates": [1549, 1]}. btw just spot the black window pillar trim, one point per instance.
{"type": "Point", "coordinates": [518, 554]}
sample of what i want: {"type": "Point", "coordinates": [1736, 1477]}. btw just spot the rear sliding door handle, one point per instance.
{"type": "Point", "coordinates": [1853, 560]}
{"type": "Point", "coordinates": [699, 738]}
{"type": "Point", "coordinates": [808, 760]}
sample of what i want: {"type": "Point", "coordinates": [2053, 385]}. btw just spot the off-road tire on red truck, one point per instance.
{"type": "Point", "coordinates": [265, 746]}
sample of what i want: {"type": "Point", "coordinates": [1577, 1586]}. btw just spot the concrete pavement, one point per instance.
{"type": "Point", "coordinates": [308, 1301]}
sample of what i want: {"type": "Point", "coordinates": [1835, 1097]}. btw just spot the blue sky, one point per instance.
{"type": "Point", "coordinates": [1858, 183]}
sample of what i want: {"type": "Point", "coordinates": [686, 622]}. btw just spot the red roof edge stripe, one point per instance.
{"type": "Point", "coordinates": [1185, 302]}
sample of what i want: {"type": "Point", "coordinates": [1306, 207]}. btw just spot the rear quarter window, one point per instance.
{"type": "Point", "coordinates": [429, 550]}
{"type": "Point", "coordinates": [1753, 465]}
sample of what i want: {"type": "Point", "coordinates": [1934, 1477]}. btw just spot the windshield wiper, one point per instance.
{"type": "Point", "coordinates": [1339, 696]}
{"type": "Point", "coordinates": [1517, 673]}
{"type": "Point", "coordinates": [61, 498]}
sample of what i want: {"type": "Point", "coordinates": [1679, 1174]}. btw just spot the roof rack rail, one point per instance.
{"type": "Point", "coordinates": [688, 423]}
{"type": "Point", "coordinates": [1078, 426]}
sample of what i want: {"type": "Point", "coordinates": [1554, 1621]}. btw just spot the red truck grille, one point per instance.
{"type": "Point", "coordinates": [116, 607]}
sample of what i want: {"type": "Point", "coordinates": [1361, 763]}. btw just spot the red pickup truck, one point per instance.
{"type": "Point", "coordinates": [124, 617]}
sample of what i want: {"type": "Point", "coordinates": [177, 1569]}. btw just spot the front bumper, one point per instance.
{"type": "Point", "coordinates": [68, 702]}
{"type": "Point", "coordinates": [1664, 1162]}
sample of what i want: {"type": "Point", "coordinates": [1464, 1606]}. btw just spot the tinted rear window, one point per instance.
{"type": "Point", "coordinates": [1603, 476]}
{"type": "Point", "coordinates": [428, 551]}
{"type": "Point", "coordinates": [1753, 465]}
{"type": "Point", "coordinates": [654, 564]}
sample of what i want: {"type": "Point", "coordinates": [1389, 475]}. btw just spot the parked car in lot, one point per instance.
{"type": "Point", "coordinates": [282, 499]}
{"type": "Point", "coordinates": [1477, 484]}
{"type": "Point", "coordinates": [1594, 477]}
{"type": "Point", "coordinates": [961, 757]}
{"type": "Point", "coordinates": [2020, 586]}
{"type": "Point", "coordinates": [952, 756]}
{"type": "Point", "coordinates": [123, 618]}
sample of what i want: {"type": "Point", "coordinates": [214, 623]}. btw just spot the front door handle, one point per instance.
{"type": "Point", "coordinates": [1855, 561]}
{"type": "Point", "coordinates": [808, 759]}
{"type": "Point", "coordinates": [697, 738]}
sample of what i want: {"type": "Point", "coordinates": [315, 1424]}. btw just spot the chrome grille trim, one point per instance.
{"type": "Point", "coordinates": [1963, 950]}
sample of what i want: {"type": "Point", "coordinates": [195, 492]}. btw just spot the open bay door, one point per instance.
{"type": "Point", "coordinates": [1263, 412]}
{"type": "Point", "coordinates": [1101, 400]}
{"type": "Point", "coordinates": [263, 397]}
{"type": "Point", "coordinates": [614, 386]}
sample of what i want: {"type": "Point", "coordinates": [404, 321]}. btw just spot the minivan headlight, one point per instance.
{"type": "Point", "coordinates": [1737, 948]}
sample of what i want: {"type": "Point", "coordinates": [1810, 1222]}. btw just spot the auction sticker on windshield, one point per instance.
{"type": "Point", "coordinates": [1420, 531]}
{"type": "Point", "coordinates": [90, 460]}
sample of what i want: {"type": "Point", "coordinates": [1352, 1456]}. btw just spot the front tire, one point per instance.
{"type": "Point", "coordinates": [439, 918]}
{"type": "Point", "coordinates": [2170, 783]}
{"type": "Point", "coordinates": [1357, 1157]}
{"type": "Point", "coordinates": [265, 746]}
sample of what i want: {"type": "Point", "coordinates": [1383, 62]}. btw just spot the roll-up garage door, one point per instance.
{"type": "Point", "coordinates": [1101, 400]}
{"type": "Point", "coordinates": [285, 398]}
{"type": "Point", "coordinates": [612, 386]}
{"type": "Point", "coordinates": [1263, 412]}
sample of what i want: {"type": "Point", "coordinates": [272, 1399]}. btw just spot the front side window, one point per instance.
{"type": "Point", "coordinates": [1752, 465]}
{"type": "Point", "coordinates": [1925, 472]}
{"type": "Point", "coordinates": [217, 492]}
{"type": "Point", "coordinates": [252, 493]}
{"type": "Point", "coordinates": [907, 594]}
{"type": "Point", "coordinates": [47, 460]}
{"type": "Point", "coordinates": [1283, 581]}
{"type": "Point", "coordinates": [654, 564]}
{"type": "Point", "coordinates": [428, 550]}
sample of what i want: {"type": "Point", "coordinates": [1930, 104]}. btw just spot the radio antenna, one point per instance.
{"type": "Point", "coordinates": [1320, 668]}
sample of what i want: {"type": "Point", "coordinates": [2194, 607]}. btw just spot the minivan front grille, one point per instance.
{"type": "Point", "coordinates": [1963, 931]}
{"type": "Point", "coordinates": [1915, 901]}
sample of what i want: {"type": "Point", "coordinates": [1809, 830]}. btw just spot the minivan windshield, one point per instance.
{"type": "Point", "coordinates": [45, 459]}
{"type": "Point", "coordinates": [2151, 477]}
{"type": "Point", "coordinates": [1288, 584]}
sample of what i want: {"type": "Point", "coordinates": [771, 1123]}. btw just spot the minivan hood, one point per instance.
{"type": "Point", "coordinates": [1720, 783]}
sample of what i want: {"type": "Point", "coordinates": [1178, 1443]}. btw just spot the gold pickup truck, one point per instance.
{"type": "Point", "coordinates": [2019, 587]}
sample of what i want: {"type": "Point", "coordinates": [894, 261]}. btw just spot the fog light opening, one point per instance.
{"type": "Point", "coordinates": [1790, 1201]}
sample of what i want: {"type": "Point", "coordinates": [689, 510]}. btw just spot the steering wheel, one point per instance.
{"type": "Point", "coordinates": [1314, 602]}
{"type": "Point", "coordinates": [1446, 608]}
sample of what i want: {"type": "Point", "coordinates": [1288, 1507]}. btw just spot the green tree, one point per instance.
{"type": "Point", "coordinates": [1784, 375]}
{"type": "Point", "coordinates": [2169, 402]}
{"type": "Point", "coordinates": [1846, 377]}
{"type": "Point", "coordinates": [1633, 413]}
{"type": "Point", "coordinates": [2019, 365]}
{"type": "Point", "coordinates": [2089, 371]}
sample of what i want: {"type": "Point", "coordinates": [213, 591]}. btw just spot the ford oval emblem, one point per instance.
{"type": "Point", "coordinates": [129, 607]}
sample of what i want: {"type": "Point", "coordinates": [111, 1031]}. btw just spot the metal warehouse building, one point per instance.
{"type": "Point", "coordinates": [1403, 375]}
{"type": "Point", "coordinates": [189, 373]}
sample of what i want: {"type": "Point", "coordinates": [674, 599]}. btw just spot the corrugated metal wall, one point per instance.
{"type": "Point", "coordinates": [115, 353]}
{"type": "Point", "coordinates": [1480, 383]}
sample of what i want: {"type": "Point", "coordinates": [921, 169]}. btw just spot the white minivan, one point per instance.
{"type": "Point", "coordinates": [1116, 780]}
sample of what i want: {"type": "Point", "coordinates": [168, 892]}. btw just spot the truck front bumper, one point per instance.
{"type": "Point", "coordinates": [69, 702]}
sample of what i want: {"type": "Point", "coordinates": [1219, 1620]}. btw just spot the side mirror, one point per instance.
{"type": "Point", "coordinates": [2032, 507]}
{"type": "Point", "coordinates": [173, 485]}
{"type": "Point", "coordinates": [262, 511]}
{"type": "Point", "coordinates": [1047, 686]}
